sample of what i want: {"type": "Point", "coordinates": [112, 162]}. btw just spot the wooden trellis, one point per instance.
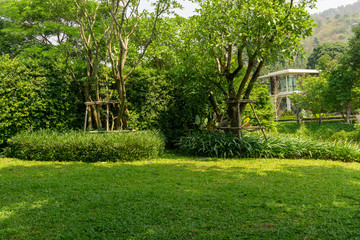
{"type": "Point", "coordinates": [101, 103]}
{"type": "Point", "coordinates": [239, 127]}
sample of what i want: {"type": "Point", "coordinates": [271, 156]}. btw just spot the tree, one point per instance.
{"type": "Point", "coordinates": [131, 31]}
{"type": "Point", "coordinates": [313, 94]}
{"type": "Point", "coordinates": [354, 51]}
{"type": "Point", "coordinates": [93, 33]}
{"type": "Point", "coordinates": [333, 49]}
{"type": "Point", "coordinates": [342, 83]}
{"type": "Point", "coordinates": [241, 36]}
{"type": "Point", "coordinates": [344, 80]}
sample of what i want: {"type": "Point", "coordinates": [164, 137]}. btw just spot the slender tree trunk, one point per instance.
{"type": "Point", "coordinates": [320, 118]}
{"type": "Point", "coordinates": [298, 115]}
{"type": "Point", "coordinates": [215, 107]}
{"type": "Point", "coordinates": [348, 108]}
{"type": "Point", "coordinates": [87, 99]}
{"type": "Point", "coordinates": [121, 120]}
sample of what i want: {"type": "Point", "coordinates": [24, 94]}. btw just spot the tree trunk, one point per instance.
{"type": "Point", "coordinates": [298, 115]}
{"type": "Point", "coordinates": [235, 120]}
{"type": "Point", "coordinates": [121, 120]}
{"type": "Point", "coordinates": [320, 118]}
{"type": "Point", "coordinates": [215, 107]}
{"type": "Point", "coordinates": [348, 108]}
{"type": "Point", "coordinates": [87, 99]}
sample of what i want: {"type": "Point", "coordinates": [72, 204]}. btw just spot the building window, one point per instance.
{"type": "Point", "coordinates": [282, 85]}
{"type": "Point", "coordinates": [292, 82]}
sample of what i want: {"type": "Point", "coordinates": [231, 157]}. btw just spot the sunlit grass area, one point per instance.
{"type": "Point", "coordinates": [180, 197]}
{"type": "Point", "coordinates": [328, 131]}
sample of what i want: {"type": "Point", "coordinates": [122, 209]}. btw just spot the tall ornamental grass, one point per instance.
{"type": "Point", "coordinates": [46, 145]}
{"type": "Point", "coordinates": [212, 144]}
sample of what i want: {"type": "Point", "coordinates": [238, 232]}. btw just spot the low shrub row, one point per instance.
{"type": "Point", "coordinates": [47, 145]}
{"type": "Point", "coordinates": [212, 144]}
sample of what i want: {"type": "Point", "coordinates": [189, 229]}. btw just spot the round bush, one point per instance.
{"type": "Point", "coordinates": [46, 145]}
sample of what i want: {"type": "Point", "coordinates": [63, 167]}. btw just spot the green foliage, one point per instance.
{"type": "Point", "coordinates": [149, 96]}
{"type": "Point", "coordinates": [335, 50]}
{"type": "Point", "coordinates": [47, 145]}
{"type": "Point", "coordinates": [164, 101]}
{"type": "Point", "coordinates": [314, 90]}
{"type": "Point", "coordinates": [354, 51]}
{"type": "Point", "coordinates": [226, 33]}
{"type": "Point", "coordinates": [222, 23]}
{"type": "Point", "coordinates": [35, 94]}
{"type": "Point", "coordinates": [34, 22]}
{"type": "Point", "coordinates": [212, 144]}
{"type": "Point", "coordinates": [344, 80]}
{"type": "Point", "coordinates": [343, 84]}
{"type": "Point", "coordinates": [263, 107]}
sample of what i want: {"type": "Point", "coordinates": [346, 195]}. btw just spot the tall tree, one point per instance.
{"type": "Point", "coordinates": [89, 17]}
{"type": "Point", "coordinates": [313, 96]}
{"type": "Point", "coordinates": [344, 80]}
{"type": "Point", "coordinates": [241, 35]}
{"type": "Point", "coordinates": [130, 34]}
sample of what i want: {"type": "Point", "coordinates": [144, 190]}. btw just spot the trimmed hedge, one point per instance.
{"type": "Point", "coordinates": [47, 145]}
{"type": "Point", "coordinates": [212, 144]}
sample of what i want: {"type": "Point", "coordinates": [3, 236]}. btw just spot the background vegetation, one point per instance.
{"type": "Point", "coordinates": [333, 25]}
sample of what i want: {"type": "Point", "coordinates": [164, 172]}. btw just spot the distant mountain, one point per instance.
{"type": "Point", "coordinates": [334, 25]}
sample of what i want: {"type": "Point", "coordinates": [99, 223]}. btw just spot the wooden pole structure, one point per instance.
{"type": "Point", "coordinates": [107, 105]}
{"type": "Point", "coordinates": [258, 120]}
{"type": "Point", "coordinates": [239, 117]}
{"type": "Point", "coordinates": [86, 115]}
{"type": "Point", "coordinates": [239, 127]}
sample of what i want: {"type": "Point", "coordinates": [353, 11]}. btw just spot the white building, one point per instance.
{"type": "Point", "coordinates": [284, 83]}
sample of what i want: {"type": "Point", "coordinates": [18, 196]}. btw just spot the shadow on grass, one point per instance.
{"type": "Point", "coordinates": [180, 198]}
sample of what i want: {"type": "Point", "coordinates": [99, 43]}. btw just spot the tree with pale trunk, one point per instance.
{"type": "Point", "coordinates": [241, 36]}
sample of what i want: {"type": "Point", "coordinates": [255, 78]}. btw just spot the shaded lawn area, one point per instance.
{"type": "Point", "coordinates": [179, 197]}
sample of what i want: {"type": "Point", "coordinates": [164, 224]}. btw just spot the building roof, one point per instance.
{"type": "Point", "coordinates": [289, 71]}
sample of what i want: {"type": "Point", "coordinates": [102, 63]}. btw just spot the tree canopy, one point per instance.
{"type": "Point", "coordinates": [334, 50]}
{"type": "Point", "coordinates": [241, 36]}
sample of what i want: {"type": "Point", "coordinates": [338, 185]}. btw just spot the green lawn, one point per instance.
{"type": "Point", "coordinates": [328, 131]}
{"type": "Point", "coordinates": [180, 198]}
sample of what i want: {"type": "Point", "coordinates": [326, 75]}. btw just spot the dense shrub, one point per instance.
{"type": "Point", "coordinates": [214, 144]}
{"type": "Point", "coordinates": [34, 96]}
{"type": "Point", "coordinates": [46, 145]}
{"type": "Point", "coordinates": [149, 95]}
{"type": "Point", "coordinates": [159, 100]}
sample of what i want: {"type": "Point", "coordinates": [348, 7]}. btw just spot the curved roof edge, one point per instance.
{"type": "Point", "coordinates": [287, 71]}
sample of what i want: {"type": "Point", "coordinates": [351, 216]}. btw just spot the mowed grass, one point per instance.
{"type": "Point", "coordinates": [327, 131]}
{"type": "Point", "coordinates": [180, 198]}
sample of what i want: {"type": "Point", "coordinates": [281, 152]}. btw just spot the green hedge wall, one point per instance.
{"type": "Point", "coordinates": [34, 96]}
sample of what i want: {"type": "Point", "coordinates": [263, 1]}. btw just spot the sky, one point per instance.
{"type": "Point", "coordinates": [322, 5]}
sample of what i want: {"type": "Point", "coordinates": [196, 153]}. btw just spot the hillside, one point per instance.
{"type": "Point", "coordinates": [333, 25]}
